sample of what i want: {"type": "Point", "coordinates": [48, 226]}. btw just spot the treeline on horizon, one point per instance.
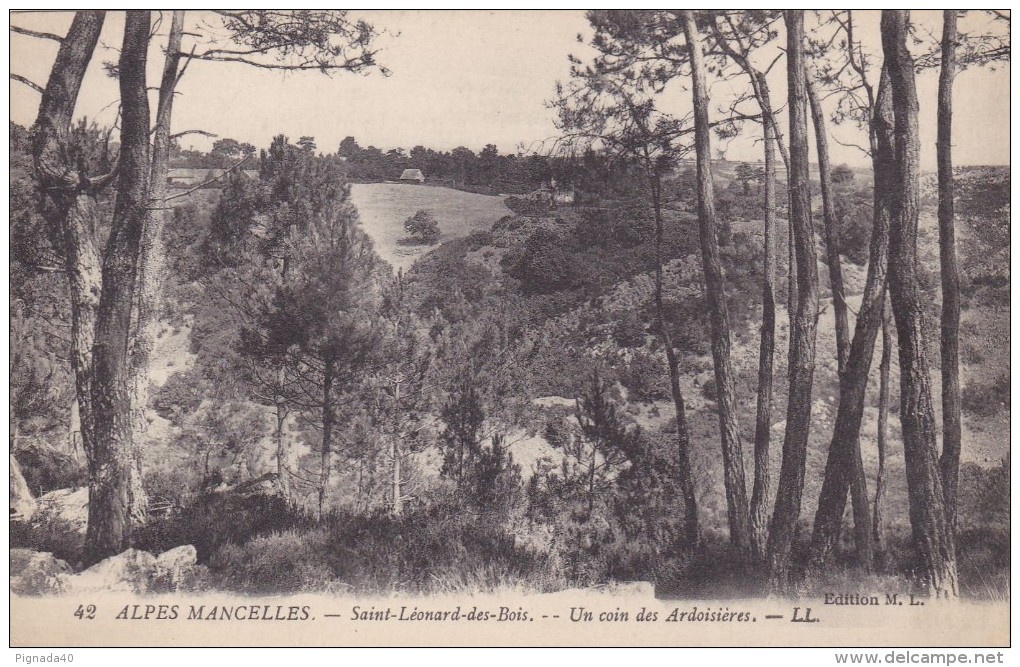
{"type": "Point", "coordinates": [485, 172]}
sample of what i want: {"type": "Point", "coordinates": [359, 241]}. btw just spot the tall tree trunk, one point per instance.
{"type": "Point", "coordinates": [763, 418]}
{"type": "Point", "coordinates": [933, 536]}
{"type": "Point", "coordinates": [111, 495]}
{"type": "Point", "coordinates": [692, 532]}
{"type": "Point", "coordinates": [845, 448]}
{"type": "Point", "coordinates": [951, 427]}
{"type": "Point", "coordinates": [883, 426]}
{"type": "Point", "coordinates": [766, 357]}
{"type": "Point", "coordinates": [715, 290]}
{"type": "Point", "coordinates": [327, 435]}
{"type": "Point", "coordinates": [73, 230]}
{"type": "Point", "coordinates": [802, 335]}
{"type": "Point", "coordinates": [70, 209]}
{"type": "Point", "coordinates": [858, 482]}
{"type": "Point", "coordinates": [832, 244]}
{"type": "Point", "coordinates": [151, 258]}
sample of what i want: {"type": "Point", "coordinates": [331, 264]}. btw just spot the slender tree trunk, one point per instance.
{"type": "Point", "coordinates": [715, 290]}
{"type": "Point", "coordinates": [933, 536]}
{"type": "Point", "coordinates": [832, 245]}
{"type": "Point", "coordinates": [883, 426]}
{"type": "Point", "coordinates": [692, 532]}
{"type": "Point", "coordinates": [844, 449]}
{"type": "Point", "coordinates": [281, 449]}
{"type": "Point", "coordinates": [110, 489]}
{"type": "Point", "coordinates": [858, 483]}
{"type": "Point", "coordinates": [951, 425]}
{"type": "Point", "coordinates": [327, 436]}
{"type": "Point", "coordinates": [763, 418]}
{"type": "Point", "coordinates": [591, 482]}
{"type": "Point", "coordinates": [395, 482]}
{"type": "Point", "coordinates": [151, 258]}
{"type": "Point", "coordinates": [802, 358]}
{"type": "Point", "coordinates": [766, 356]}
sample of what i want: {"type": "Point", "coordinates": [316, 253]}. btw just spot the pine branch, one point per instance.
{"type": "Point", "coordinates": [36, 34]}
{"type": "Point", "coordinates": [31, 84]}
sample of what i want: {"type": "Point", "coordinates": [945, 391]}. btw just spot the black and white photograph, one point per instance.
{"type": "Point", "coordinates": [513, 328]}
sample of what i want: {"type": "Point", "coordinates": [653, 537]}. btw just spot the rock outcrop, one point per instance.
{"type": "Point", "coordinates": [23, 505]}
{"type": "Point", "coordinates": [132, 571]}
{"type": "Point", "coordinates": [66, 506]}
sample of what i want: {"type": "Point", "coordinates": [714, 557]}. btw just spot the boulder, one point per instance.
{"type": "Point", "coordinates": [37, 573]}
{"type": "Point", "coordinates": [129, 572]}
{"type": "Point", "coordinates": [176, 567]}
{"type": "Point", "coordinates": [23, 505]}
{"type": "Point", "coordinates": [67, 506]}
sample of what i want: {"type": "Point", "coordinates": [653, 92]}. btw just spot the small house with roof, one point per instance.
{"type": "Point", "coordinates": [412, 176]}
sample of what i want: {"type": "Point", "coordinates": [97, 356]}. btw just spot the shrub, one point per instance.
{"type": "Point", "coordinates": [290, 561]}
{"type": "Point", "coordinates": [607, 228]}
{"type": "Point", "coordinates": [444, 279]}
{"type": "Point", "coordinates": [477, 240]}
{"type": "Point", "coordinates": [629, 330]}
{"type": "Point", "coordinates": [528, 207]}
{"type": "Point", "coordinates": [507, 223]}
{"type": "Point", "coordinates": [47, 469]}
{"type": "Point", "coordinates": [854, 220]}
{"type": "Point", "coordinates": [543, 264]}
{"type": "Point", "coordinates": [646, 377]}
{"type": "Point", "coordinates": [709, 389]}
{"type": "Point", "coordinates": [422, 229]}
{"type": "Point", "coordinates": [215, 519]}
{"type": "Point", "coordinates": [985, 400]}
{"type": "Point", "coordinates": [550, 270]}
{"type": "Point", "coordinates": [57, 536]}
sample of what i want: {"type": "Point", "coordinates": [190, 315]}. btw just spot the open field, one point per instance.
{"type": "Point", "coordinates": [383, 208]}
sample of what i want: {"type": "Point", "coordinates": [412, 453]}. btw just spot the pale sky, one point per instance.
{"type": "Point", "coordinates": [458, 78]}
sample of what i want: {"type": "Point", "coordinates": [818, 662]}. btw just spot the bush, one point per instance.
{"type": "Point", "coordinates": [543, 264]}
{"type": "Point", "coordinates": [215, 519]}
{"type": "Point", "coordinates": [435, 279]}
{"type": "Point", "coordinates": [629, 330]}
{"type": "Point", "coordinates": [528, 207]}
{"type": "Point", "coordinates": [607, 228]}
{"type": "Point", "coordinates": [853, 210]}
{"type": "Point", "coordinates": [477, 240]}
{"type": "Point", "coordinates": [646, 377]}
{"type": "Point", "coordinates": [422, 229]}
{"type": "Point", "coordinates": [985, 400]}
{"type": "Point", "coordinates": [291, 561]}
{"type": "Point", "coordinates": [47, 469]}
{"type": "Point", "coordinates": [507, 223]}
{"type": "Point", "coordinates": [57, 536]}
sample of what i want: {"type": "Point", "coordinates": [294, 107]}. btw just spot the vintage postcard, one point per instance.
{"type": "Point", "coordinates": [651, 328]}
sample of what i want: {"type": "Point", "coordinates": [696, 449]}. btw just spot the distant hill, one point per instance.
{"type": "Point", "coordinates": [383, 208]}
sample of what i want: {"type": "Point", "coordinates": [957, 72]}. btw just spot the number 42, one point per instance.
{"type": "Point", "coordinates": [85, 612]}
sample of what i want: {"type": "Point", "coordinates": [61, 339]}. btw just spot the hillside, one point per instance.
{"type": "Point", "coordinates": [578, 298]}
{"type": "Point", "coordinates": [383, 208]}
